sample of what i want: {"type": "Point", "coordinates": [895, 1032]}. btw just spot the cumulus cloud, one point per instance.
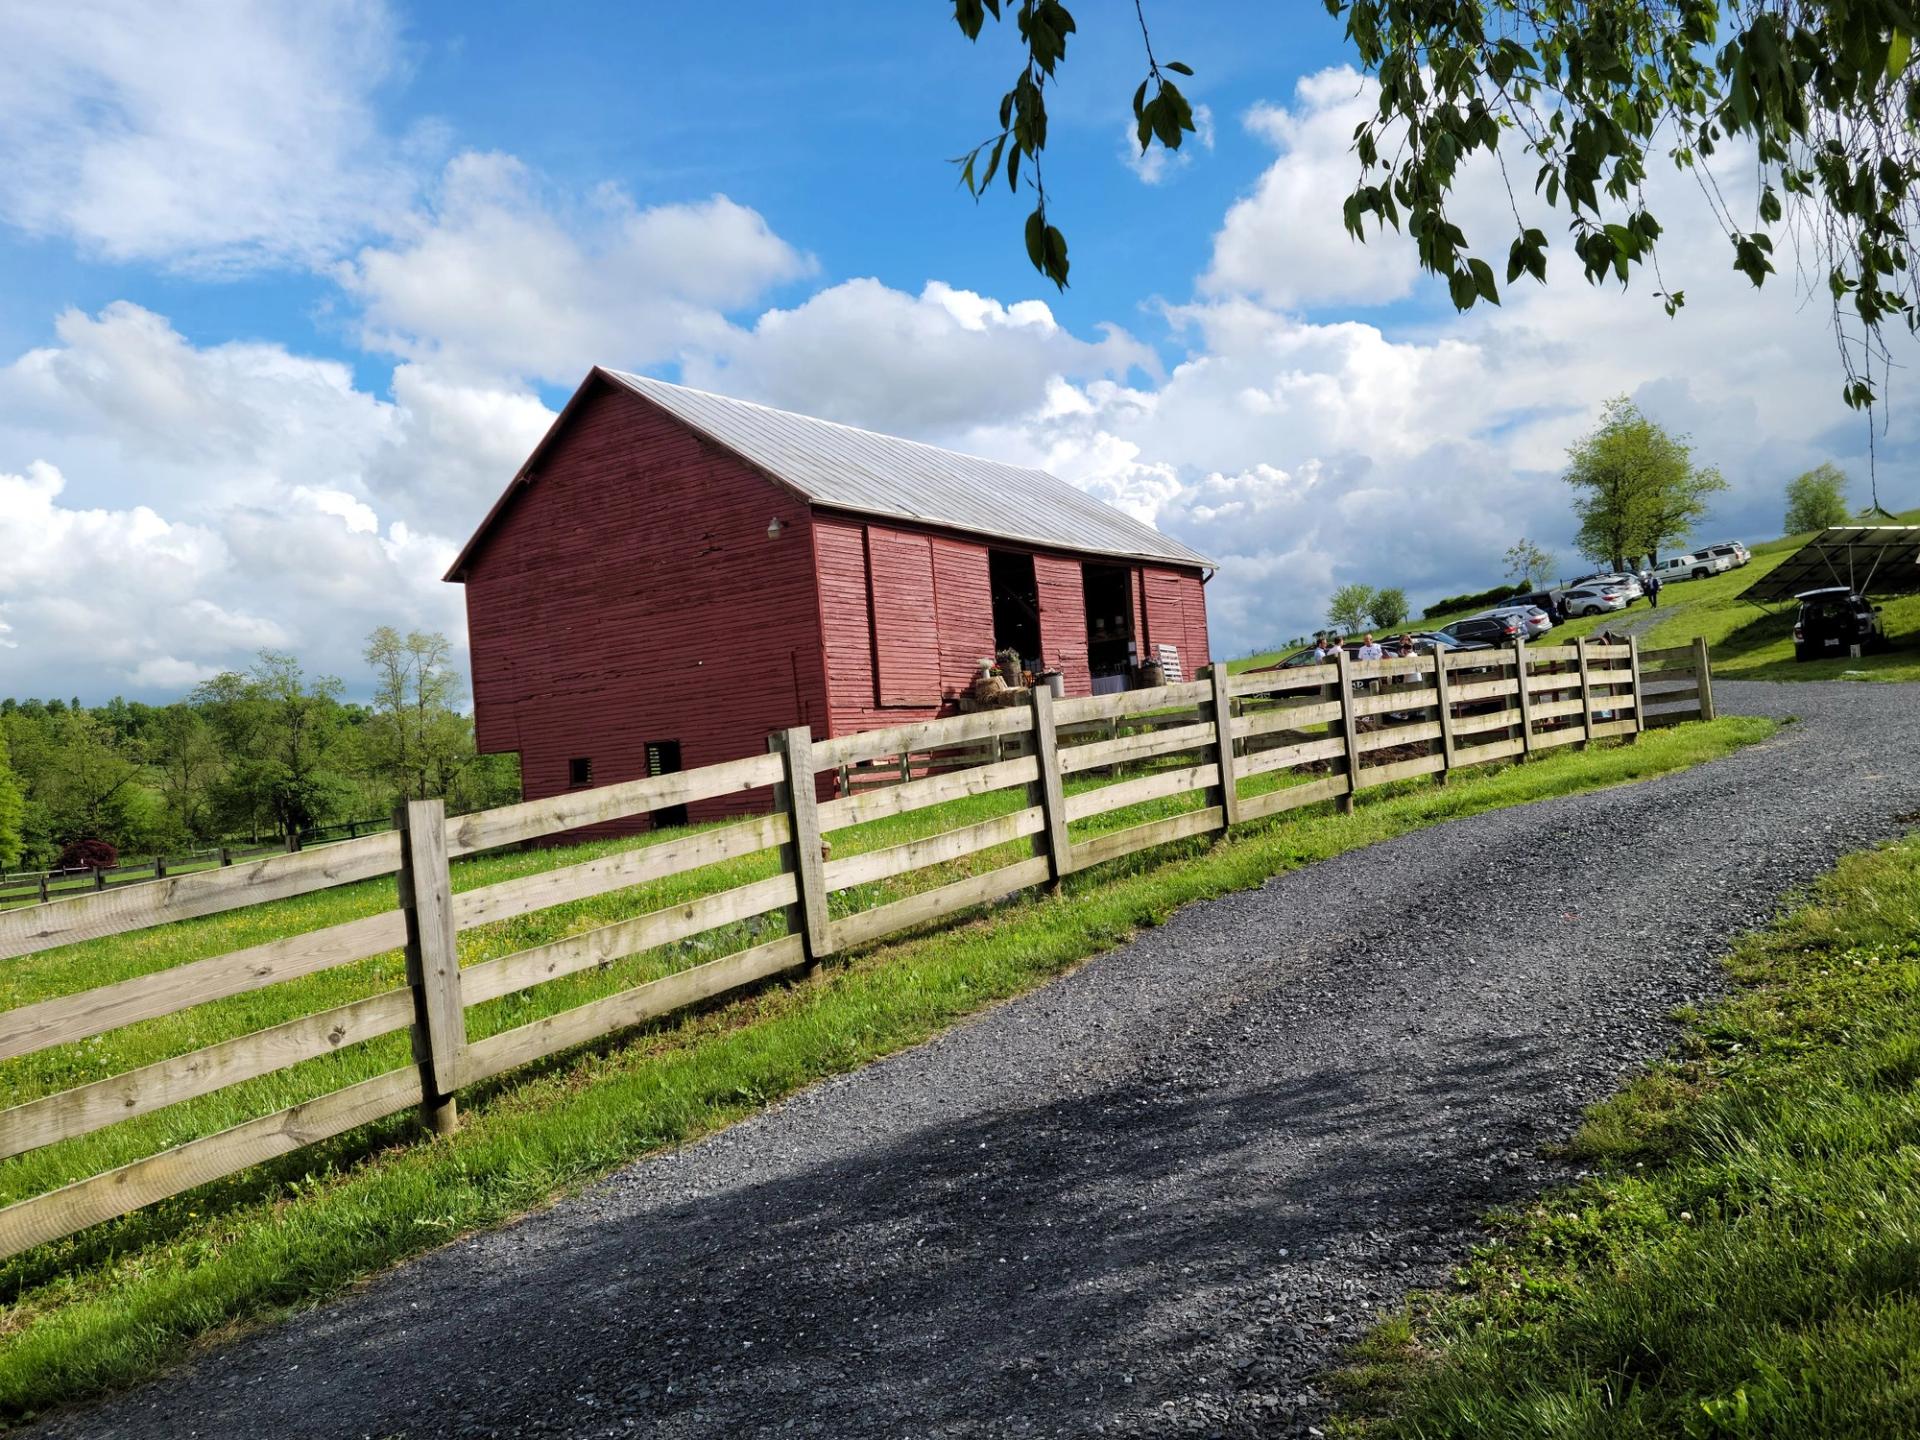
{"type": "Point", "coordinates": [169, 509]}
{"type": "Point", "coordinates": [208, 135]}
{"type": "Point", "coordinates": [926, 365]}
{"type": "Point", "coordinates": [498, 275]}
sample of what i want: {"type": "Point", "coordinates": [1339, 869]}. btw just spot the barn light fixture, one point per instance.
{"type": "Point", "coordinates": [774, 527]}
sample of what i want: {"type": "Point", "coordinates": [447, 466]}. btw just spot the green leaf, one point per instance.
{"type": "Point", "coordinates": [1037, 239]}
{"type": "Point", "coordinates": [1898, 53]}
{"type": "Point", "coordinates": [1178, 68]}
{"type": "Point", "coordinates": [1483, 285]}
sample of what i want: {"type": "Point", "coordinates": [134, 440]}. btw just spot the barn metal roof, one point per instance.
{"type": "Point", "coordinates": [1868, 559]}
{"type": "Point", "coordinates": [871, 474]}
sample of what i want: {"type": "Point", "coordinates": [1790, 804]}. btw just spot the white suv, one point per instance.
{"type": "Point", "coordinates": [1691, 567]}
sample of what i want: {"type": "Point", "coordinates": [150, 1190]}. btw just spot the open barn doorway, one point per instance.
{"type": "Point", "coordinates": [1016, 605]}
{"type": "Point", "coordinates": [1111, 655]}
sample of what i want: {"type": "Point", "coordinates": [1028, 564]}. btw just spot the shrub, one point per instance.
{"type": "Point", "coordinates": [88, 855]}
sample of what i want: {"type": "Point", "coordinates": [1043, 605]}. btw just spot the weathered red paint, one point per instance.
{"type": "Point", "coordinates": [628, 592]}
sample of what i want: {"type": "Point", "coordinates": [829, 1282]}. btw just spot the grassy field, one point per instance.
{"type": "Point", "coordinates": [1748, 1261]}
{"type": "Point", "coordinates": [110, 1305]}
{"type": "Point", "coordinates": [1747, 643]}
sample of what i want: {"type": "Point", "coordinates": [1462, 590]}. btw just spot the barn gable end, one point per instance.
{"type": "Point", "coordinates": [629, 604]}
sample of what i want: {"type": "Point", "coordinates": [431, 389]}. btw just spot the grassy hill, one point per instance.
{"type": "Point", "coordinates": [1748, 643]}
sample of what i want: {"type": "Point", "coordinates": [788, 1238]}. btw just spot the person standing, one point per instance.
{"type": "Point", "coordinates": [1370, 649]}
{"type": "Point", "coordinates": [1651, 585]}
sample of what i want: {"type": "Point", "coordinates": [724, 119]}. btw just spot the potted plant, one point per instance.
{"type": "Point", "coordinates": [1009, 659]}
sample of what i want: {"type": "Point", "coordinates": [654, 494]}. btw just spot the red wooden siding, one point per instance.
{"type": "Point", "coordinates": [1063, 619]}
{"type": "Point", "coordinates": [906, 634]}
{"type": "Point", "coordinates": [964, 598]}
{"type": "Point", "coordinates": [631, 594]}
{"type": "Point", "coordinates": [1176, 615]}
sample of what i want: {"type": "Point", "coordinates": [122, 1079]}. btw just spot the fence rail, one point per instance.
{"type": "Point", "coordinates": [1249, 746]}
{"type": "Point", "coordinates": [29, 887]}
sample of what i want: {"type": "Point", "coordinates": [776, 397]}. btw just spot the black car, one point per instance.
{"type": "Point", "coordinates": [1486, 629]}
{"type": "Point", "coordinates": [1832, 621]}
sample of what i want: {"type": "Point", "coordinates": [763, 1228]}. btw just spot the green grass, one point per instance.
{"type": "Point", "coordinates": [1747, 1263]}
{"type": "Point", "coordinates": [1746, 642]}
{"type": "Point", "coordinates": [1749, 644]}
{"type": "Point", "coordinates": [110, 1305]}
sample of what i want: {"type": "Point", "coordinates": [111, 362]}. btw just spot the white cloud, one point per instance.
{"type": "Point", "coordinates": [175, 508]}
{"type": "Point", "coordinates": [927, 365]}
{"type": "Point", "coordinates": [1156, 163]}
{"type": "Point", "coordinates": [209, 135]}
{"type": "Point", "coordinates": [500, 277]}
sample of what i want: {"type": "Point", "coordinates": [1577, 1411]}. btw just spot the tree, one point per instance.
{"type": "Point", "coordinates": [1637, 486]}
{"type": "Point", "coordinates": [415, 740]}
{"type": "Point", "coordinates": [13, 809]}
{"type": "Point", "coordinates": [1388, 607]}
{"type": "Point", "coordinates": [1526, 560]}
{"type": "Point", "coordinates": [1584, 98]}
{"type": "Point", "coordinates": [1347, 610]}
{"type": "Point", "coordinates": [1817, 499]}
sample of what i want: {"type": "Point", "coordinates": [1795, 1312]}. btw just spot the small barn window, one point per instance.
{"type": "Point", "coordinates": [580, 772]}
{"type": "Point", "coordinates": [663, 758]}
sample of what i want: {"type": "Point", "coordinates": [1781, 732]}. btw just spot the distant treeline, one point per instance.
{"type": "Point", "coordinates": [249, 755]}
{"type": "Point", "coordinates": [1478, 598]}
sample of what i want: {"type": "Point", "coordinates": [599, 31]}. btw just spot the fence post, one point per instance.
{"type": "Point", "coordinates": [43, 889]}
{"type": "Point", "coordinates": [1445, 706]}
{"type": "Point", "coordinates": [802, 798]}
{"type": "Point", "coordinates": [1049, 788]}
{"type": "Point", "coordinates": [433, 959]}
{"type": "Point", "coordinates": [1526, 696]}
{"type": "Point", "coordinates": [226, 857]}
{"type": "Point", "coordinates": [1349, 725]}
{"type": "Point", "coordinates": [1703, 677]}
{"type": "Point", "coordinates": [1223, 747]}
{"type": "Point", "coordinates": [159, 867]}
{"type": "Point", "coordinates": [1586, 694]}
{"type": "Point", "coordinates": [795, 915]}
{"type": "Point", "coordinates": [1636, 687]}
{"type": "Point", "coordinates": [99, 877]}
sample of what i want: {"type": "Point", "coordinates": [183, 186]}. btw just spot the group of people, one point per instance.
{"type": "Point", "coordinates": [1327, 646]}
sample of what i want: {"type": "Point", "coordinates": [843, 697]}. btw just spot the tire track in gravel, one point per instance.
{"type": "Point", "coordinates": [1155, 1197]}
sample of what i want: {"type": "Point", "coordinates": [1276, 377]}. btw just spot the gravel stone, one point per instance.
{"type": "Point", "coordinates": [1155, 1197]}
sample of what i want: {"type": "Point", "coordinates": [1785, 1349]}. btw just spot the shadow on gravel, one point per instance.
{"type": "Point", "coordinates": [1014, 1266]}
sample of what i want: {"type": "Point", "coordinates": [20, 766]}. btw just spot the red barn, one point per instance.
{"type": "Point", "coordinates": [674, 574]}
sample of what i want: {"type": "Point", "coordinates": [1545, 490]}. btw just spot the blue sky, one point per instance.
{"type": "Point", "coordinates": [286, 292]}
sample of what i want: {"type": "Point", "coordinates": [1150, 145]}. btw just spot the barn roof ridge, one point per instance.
{"type": "Point", "coordinates": [868, 472]}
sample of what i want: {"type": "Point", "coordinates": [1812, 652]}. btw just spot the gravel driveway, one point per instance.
{"type": "Point", "coordinates": [1155, 1197]}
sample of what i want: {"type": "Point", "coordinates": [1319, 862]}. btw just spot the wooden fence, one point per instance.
{"type": "Point", "coordinates": [1251, 746]}
{"type": "Point", "coordinates": [1678, 683]}
{"type": "Point", "coordinates": [30, 887]}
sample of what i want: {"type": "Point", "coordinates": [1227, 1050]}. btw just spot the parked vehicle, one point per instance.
{"type": "Point", "coordinates": [1628, 585]}
{"type": "Point", "coordinates": [1486, 629]}
{"type": "Point", "coordinates": [1537, 621]}
{"type": "Point", "coordinates": [1732, 550]}
{"type": "Point", "coordinates": [1594, 599]}
{"type": "Point", "coordinates": [1424, 640]}
{"type": "Point", "coordinates": [1832, 621]}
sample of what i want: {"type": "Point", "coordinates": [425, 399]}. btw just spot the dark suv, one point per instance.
{"type": "Point", "coordinates": [1832, 621]}
{"type": "Point", "coordinates": [1486, 629]}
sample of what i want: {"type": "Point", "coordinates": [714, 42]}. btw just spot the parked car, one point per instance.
{"type": "Point", "coordinates": [1832, 621]}
{"type": "Point", "coordinates": [1629, 585]}
{"type": "Point", "coordinates": [1537, 621]}
{"type": "Point", "coordinates": [1424, 640]}
{"type": "Point", "coordinates": [1486, 629]}
{"type": "Point", "coordinates": [1733, 550]}
{"type": "Point", "coordinates": [1594, 599]}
